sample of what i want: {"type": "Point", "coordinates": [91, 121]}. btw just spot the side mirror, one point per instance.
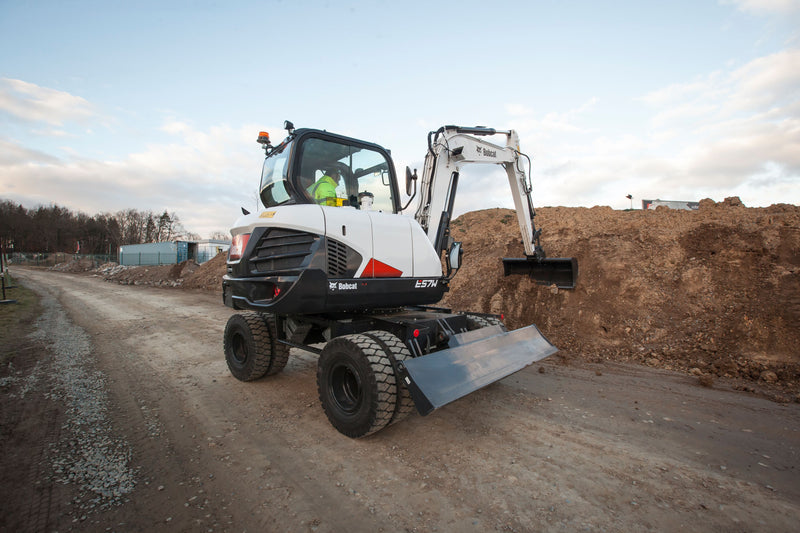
{"type": "Point", "coordinates": [411, 178]}
{"type": "Point", "coordinates": [454, 256]}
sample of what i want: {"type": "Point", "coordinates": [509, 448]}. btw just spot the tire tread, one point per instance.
{"type": "Point", "coordinates": [392, 343]}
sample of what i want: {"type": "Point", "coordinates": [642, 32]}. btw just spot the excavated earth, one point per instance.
{"type": "Point", "coordinates": [714, 292]}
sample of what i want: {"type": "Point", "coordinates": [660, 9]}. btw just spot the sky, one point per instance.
{"type": "Point", "coordinates": [156, 105]}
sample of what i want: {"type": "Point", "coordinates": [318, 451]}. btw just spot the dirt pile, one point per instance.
{"type": "Point", "coordinates": [186, 274]}
{"type": "Point", "coordinates": [78, 265]}
{"type": "Point", "coordinates": [714, 291]}
{"type": "Point", "coordinates": [208, 276]}
{"type": "Point", "coordinates": [154, 275]}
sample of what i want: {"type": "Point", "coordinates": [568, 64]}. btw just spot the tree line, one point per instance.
{"type": "Point", "coordinates": [57, 229]}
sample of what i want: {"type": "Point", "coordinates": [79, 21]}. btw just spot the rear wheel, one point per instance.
{"type": "Point", "coordinates": [393, 345]}
{"type": "Point", "coordinates": [279, 351]}
{"type": "Point", "coordinates": [356, 385]}
{"type": "Point", "coordinates": [246, 343]}
{"type": "Point", "coordinates": [251, 349]}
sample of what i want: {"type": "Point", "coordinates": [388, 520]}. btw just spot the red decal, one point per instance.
{"type": "Point", "coordinates": [377, 269]}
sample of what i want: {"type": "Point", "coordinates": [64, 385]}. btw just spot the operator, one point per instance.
{"type": "Point", "coordinates": [325, 187]}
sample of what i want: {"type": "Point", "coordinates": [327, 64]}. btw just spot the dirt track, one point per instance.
{"type": "Point", "coordinates": [554, 447]}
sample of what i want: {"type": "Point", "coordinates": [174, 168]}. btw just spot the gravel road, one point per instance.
{"type": "Point", "coordinates": [123, 416]}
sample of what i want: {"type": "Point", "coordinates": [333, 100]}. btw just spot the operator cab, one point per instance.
{"type": "Point", "coordinates": [317, 167]}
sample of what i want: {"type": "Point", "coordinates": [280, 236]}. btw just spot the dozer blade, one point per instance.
{"type": "Point", "coordinates": [559, 271]}
{"type": "Point", "coordinates": [475, 359]}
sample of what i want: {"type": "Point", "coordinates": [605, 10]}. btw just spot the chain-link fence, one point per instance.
{"type": "Point", "coordinates": [129, 259]}
{"type": "Point", "coordinates": [163, 258]}
{"type": "Point", "coordinates": [55, 258]}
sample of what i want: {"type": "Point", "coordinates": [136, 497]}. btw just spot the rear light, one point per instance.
{"type": "Point", "coordinates": [237, 247]}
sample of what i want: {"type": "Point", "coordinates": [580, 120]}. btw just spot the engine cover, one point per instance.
{"type": "Point", "coordinates": [308, 259]}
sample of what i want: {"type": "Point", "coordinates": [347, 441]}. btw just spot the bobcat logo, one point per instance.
{"type": "Point", "coordinates": [340, 286]}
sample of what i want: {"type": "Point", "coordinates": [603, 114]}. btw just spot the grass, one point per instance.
{"type": "Point", "coordinates": [16, 319]}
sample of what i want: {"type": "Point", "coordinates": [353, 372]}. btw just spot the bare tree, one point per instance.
{"type": "Point", "coordinates": [220, 236]}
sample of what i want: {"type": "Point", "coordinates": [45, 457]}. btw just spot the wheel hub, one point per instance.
{"type": "Point", "coordinates": [345, 388]}
{"type": "Point", "coordinates": [239, 349]}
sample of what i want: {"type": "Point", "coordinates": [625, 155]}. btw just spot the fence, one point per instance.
{"type": "Point", "coordinates": [163, 258]}
{"type": "Point", "coordinates": [52, 259]}
{"type": "Point", "coordinates": [46, 259]}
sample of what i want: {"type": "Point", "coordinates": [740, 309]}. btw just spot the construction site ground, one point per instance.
{"type": "Point", "coordinates": [672, 405]}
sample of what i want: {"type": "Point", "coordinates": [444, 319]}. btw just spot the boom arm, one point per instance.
{"type": "Point", "coordinates": [451, 148]}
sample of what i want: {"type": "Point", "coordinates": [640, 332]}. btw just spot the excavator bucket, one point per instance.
{"type": "Point", "coordinates": [473, 360]}
{"type": "Point", "coordinates": [559, 271]}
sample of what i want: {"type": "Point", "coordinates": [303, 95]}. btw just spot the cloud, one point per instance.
{"type": "Point", "coordinates": [733, 131]}
{"type": "Point", "coordinates": [765, 7]}
{"type": "Point", "coordinates": [767, 83]}
{"type": "Point", "coordinates": [31, 103]}
{"type": "Point", "coordinates": [204, 176]}
{"type": "Point", "coordinates": [736, 124]}
{"type": "Point", "coordinates": [551, 123]}
{"type": "Point", "coordinates": [12, 154]}
{"type": "Point", "coordinates": [175, 127]}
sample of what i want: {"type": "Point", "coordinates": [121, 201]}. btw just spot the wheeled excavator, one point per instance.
{"type": "Point", "coordinates": [331, 266]}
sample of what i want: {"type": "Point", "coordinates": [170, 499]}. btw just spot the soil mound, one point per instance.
{"type": "Point", "coordinates": [154, 275]}
{"type": "Point", "coordinates": [715, 290]}
{"type": "Point", "coordinates": [208, 276]}
{"type": "Point", "coordinates": [76, 265]}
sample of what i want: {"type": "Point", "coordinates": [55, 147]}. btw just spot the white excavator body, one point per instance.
{"type": "Point", "coordinates": [332, 260]}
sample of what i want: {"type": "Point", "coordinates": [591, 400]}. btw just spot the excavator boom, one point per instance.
{"type": "Point", "coordinates": [452, 147]}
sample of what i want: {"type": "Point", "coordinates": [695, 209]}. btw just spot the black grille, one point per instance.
{"type": "Point", "coordinates": [281, 250]}
{"type": "Point", "coordinates": [337, 259]}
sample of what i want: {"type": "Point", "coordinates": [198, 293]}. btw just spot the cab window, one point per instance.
{"type": "Point", "coordinates": [338, 174]}
{"type": "Point", "coordinates": [273, 189]}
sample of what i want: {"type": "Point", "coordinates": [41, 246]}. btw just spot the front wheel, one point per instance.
{"type": "Point", "coordinates": [483, 321]}
{"type": "Point", "coordinates": [356, 385]}
{"type": "Point", "coordinates": [393, 346]}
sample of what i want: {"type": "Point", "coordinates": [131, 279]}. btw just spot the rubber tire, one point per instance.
{"type": "Point", "coordinates": [247, 344]}
{"type": "Point", "coordinates": [279, 355]}
{"type": "Point", "coordinates": [356, 385]}
{"type": "Point", "coordinates": [392, 344]}
{"type": "Point", "coordinates": [477, 322]}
